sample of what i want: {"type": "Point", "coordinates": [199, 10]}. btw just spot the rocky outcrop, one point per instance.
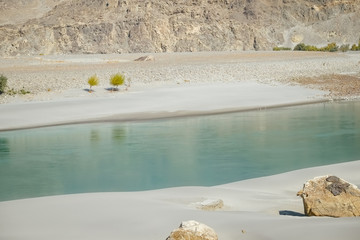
{"type": "Point", "coordinates": [113, 26]}
{"type": "Point", "coordinates": [192, 230]}
{"type": "Point", "coordinates": [330, 196]}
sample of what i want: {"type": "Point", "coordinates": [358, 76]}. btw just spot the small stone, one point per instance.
{"type": "Point", "coordinates": [210, 204]}
{"type": "Point", "coordinates": [193, 230]}
{"type": "Point", "coordinates": [145, 58]}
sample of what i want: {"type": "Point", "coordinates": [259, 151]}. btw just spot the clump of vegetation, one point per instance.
{"type": "Point", "coordinates": [281, 49]}
{"type": "Point", "coordinates": [344, 47]}
{"type": "Point", "coordinates": [93, 81]}
{"type": "Point", "coordinates": [3, 83]}
{"type": "Point", "coordinates": [331, 47]}
{"type": "Point", "coordinates": [355, 48]}
{"type": "Point", "coordinates": [303, 47]}
{"type": "Point", "coordinates": [300, 47]}
{"type": "Point", "coordinates": [13, 92]}
{"type": "Point", "coordinates": [116, 80]}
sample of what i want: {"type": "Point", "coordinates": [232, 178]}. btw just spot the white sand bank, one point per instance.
{"type": "Point", "coordinates": [252, 205]}
{"type": "Point", "coordinates": [152, 103]}
{"type": "Point", "coordinates": [265, 208]}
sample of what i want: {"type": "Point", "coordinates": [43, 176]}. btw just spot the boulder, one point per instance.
{"type": "Point", "coordinates": [330, 196]}
{"type": "Point", "coordinates": [192, 230]}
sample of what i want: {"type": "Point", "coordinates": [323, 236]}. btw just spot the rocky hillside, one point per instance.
{"type": "Point", "coordinates": [122, 26]}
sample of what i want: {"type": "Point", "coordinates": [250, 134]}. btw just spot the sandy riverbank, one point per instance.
{"type": "Point", "coordinates": [262, 208]}
{"type": "Point", "coordinates": [56, 77]}
{"type": "Point", "coordinates": [172, 85]}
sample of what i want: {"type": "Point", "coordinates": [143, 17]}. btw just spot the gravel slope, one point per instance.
{"type": "Point", "coordinates": [52, 77]}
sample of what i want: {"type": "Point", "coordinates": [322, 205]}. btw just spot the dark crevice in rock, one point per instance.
{"type": "Point", "coordinates": [336, 187]}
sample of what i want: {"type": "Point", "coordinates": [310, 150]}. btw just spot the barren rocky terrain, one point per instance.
{"type": "Point", "coordinates": [34, 27]}
{"type": "Point", "coordinates": [48, 77]}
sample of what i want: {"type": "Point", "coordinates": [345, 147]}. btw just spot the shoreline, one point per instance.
{"type": "Point", "coordinates": [149, 116]}
{"type": "Point", "coordinates": [173, 84]}
{"type": "Point", "coordinates": [252, 210]}
{"type": "Point", "coordinates": [154, 104]}
{"type": "Point", "coordinates": [176, 85]}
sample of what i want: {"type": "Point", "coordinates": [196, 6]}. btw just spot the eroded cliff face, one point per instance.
{"type": "Point", "coordinates": [122, 26]}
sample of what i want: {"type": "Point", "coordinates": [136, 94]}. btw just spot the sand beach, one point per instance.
{"type": "Point", "coordinates": [173, 85]}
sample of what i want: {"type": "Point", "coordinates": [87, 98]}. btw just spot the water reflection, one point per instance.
{"type": "Point", "coordinates": [4, 145]}
{"type": "Point", "coordinates": [118, 133]}
{"type": "Point", "coordinates": [165, 153]}
{"type": "Point", "coordinates": [94, 135]}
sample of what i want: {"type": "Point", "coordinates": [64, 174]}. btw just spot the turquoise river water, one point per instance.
{"type": "Point", "coordinates": [205, 151]}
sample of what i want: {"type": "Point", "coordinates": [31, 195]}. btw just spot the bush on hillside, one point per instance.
{"type": "Point", "coordinates": [355, 48]}
{"type": "Point", "coordinates": [344, 47]}
{"type": "Point", "coordinates": [281, 49]}
{"type": "Point", "coordinates": [331, 47]}
{"type": "Point", "coordinates": [300, 47]}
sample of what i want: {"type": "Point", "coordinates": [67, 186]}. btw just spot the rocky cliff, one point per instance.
{"type": "Point", "coordinates": [122, 26]}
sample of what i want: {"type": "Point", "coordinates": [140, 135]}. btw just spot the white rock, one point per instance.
{"type": "Point", "coordinates": [193, 230]}
{"type": "Point", "coordinates": [210, 204]}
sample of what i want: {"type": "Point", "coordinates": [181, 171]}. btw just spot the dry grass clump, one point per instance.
{"type": "Point", "coordinates": [338, 85]}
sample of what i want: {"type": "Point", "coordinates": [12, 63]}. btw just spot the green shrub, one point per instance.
{"type": "Point", "coordinates": [303, 47]}
{"type": "Point", "coordinates": [117, 79]}
{"type": "Point", "coordinates": [344, 47]}
{"type": "Point", "coordinates": [93, 81]}
{"type": "Point", "coordinates": [300, 47]}
{"type": "Point", "coordinates": [331, 47]}
{"type": "Point", "coordinates": [3, 83]}
{"type": "Point", "coordinates": [281, 49]}
{"type": "Point", "coordinates": [355, 48]}
{"type": "Point", "coordinates": [311, 48]}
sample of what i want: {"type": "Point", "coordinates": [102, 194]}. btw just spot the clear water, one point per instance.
{"type": "Point", "coordinates": [208, 150]}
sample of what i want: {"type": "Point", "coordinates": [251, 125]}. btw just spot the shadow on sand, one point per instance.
{"type": "Point", "coordinates": [291, 213]}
